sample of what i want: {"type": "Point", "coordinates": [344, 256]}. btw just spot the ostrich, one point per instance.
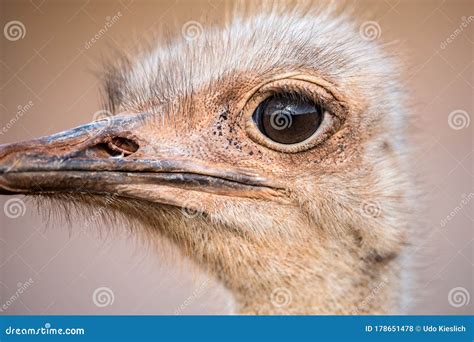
{"type": "Point", "coordinates": [271, 152]}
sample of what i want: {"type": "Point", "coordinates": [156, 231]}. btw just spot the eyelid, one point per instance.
{"type": "Point", "coordinates": [334, 100]}
{"type": "Point", "coordinates": [313, 92]}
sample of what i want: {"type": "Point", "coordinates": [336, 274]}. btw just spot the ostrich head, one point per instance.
{"type": "Point", "coordinates": [271, 152]}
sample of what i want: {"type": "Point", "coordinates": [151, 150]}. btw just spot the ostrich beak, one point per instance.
{"type": "Point", "coordinates": [114, 156]}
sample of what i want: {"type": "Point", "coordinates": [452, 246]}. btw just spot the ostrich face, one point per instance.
{"type": "Point", "coordinates": [280, 136]}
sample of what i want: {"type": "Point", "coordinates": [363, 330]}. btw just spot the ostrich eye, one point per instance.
{"type": "Point", "coordinates": [288, 120]}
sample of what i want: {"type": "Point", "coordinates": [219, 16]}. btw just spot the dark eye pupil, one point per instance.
{"type": "Point", "coordinates": [287, 121]}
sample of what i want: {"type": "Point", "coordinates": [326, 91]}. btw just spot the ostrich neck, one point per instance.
{"type": "Point", "coordinates": [295, 283]}
{"type": "Point", "coordinates": [304, 296]}
{"type": "Point", "coordinates": [304, 274]}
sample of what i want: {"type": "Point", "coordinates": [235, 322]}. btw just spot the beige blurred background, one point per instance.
{"type": "Point", "coordinates": [47, 85]}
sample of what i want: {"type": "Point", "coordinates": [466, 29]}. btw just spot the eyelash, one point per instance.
{"type": "Point", "coordinates": [296, 93]}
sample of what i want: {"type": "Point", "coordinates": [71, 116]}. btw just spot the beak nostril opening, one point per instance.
{"type": "Point", "coordinates": [126, 146]}
{"type": "Point", "coordinates": [116, 147]}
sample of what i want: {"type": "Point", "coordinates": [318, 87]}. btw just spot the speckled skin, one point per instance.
{"type": "Point", "coordinates": [310, 229]}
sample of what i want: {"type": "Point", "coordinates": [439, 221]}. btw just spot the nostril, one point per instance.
{"type": "Point", "coordinates": [114, 147]}
{"type": "Point", "coordinates": [123, 145]}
